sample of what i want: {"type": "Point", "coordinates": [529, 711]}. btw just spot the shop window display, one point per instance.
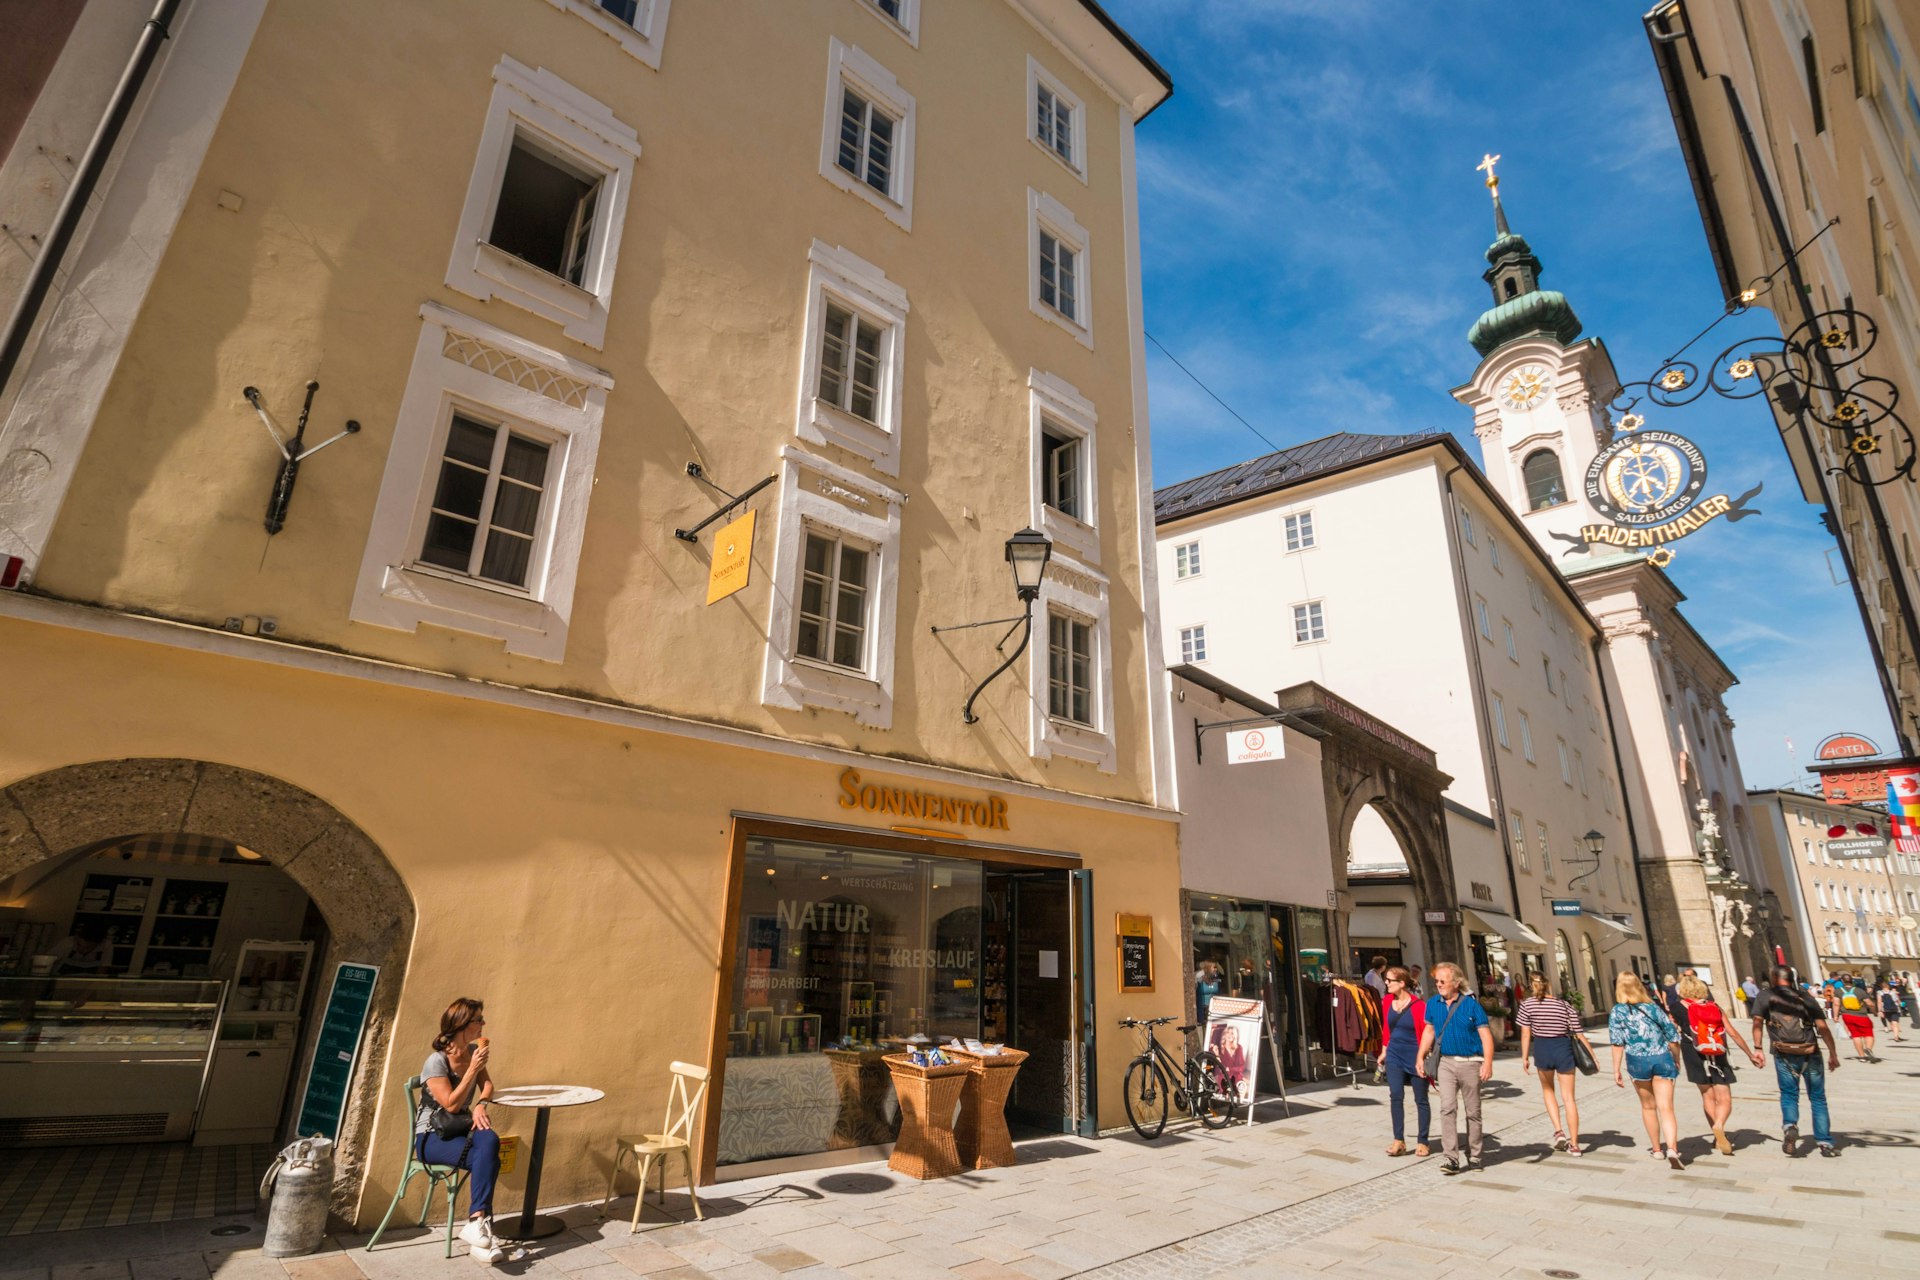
{"type": "Point", "coordinates": [844, 955]}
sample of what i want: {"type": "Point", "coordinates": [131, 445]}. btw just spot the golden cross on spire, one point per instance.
{"type": "Point", "coordinates": [1486, 166]}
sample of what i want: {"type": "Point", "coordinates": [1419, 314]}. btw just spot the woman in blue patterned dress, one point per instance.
{"type": "Point", "coordinates": [1646, 1045]}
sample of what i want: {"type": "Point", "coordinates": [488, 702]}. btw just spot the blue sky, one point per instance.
{"type": "Point", "coordinates": [1312, 232]}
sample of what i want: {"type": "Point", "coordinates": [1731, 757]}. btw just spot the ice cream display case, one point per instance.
{"type": "Point", "coordinates": [103, 1059]}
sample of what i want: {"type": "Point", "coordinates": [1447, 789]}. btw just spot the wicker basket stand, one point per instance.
{"type": "Point", "coordinates": [928, 1096]}
{"type": "Point", "coordinates": [982, 1128]}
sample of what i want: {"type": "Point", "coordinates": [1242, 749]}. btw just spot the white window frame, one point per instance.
{"type": "Point", "coordinates": [1044, 213]}
{"type": "Point", "coordinates": [906, 26]}
{"type": "Point", "coordinates": [1299, 532]}
{"type": "Point", "coordinates": [821, 496]}
{"type": "Point", "coordinates": [1526, 737]}
{"type": "Point", "coordinates": [1186, 565]}
{"type": "Point", "coordinates": [559, 118]}
{"type": "Point", "coordinates": [1566, 762]}
{"type": "Point", "coordinates": [484, 370]}
{"type": "Point", "coordinates": [1533, 592]}
{"type": "Point", "coordinates": [1482, 620]}
{"type": "Point", "coordinates": [1513, 647]}
{"type": "Point", "coordinates": [1493, 553]}
{"type": "Point", "coordinates": [851, 67]}
{"type": "Point", "coordinates": [838, 275]}
{"type": "Point", "coordinates": [1193, 644]}
{"type": "Point", "coordinates": [643, 38]}
{"type": "Point", "coordinates": [1073, 587]}
{"type": "Point", "coordinates": [1500, 722]}
{"type": "Point", "coordinates": [1038, 75]}
{"type": "Point", "coordinates": [1054, 402]}
{"type": "Point", "coordinates": [1517, 829]}
{"type": "Point", "coordinates": [1546, 849]}
{"type": "Point", "coordinates": [1580, 770]}
{"type": "Point", "coordinates": [1466, 526]}
{"type": "Point", "coordinates": [1305, 611]}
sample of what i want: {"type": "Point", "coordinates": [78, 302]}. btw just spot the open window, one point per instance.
{"type": "Point", "coordinates": [1065, 497]}
{"type": "Point", "coordinates": [546, 203]}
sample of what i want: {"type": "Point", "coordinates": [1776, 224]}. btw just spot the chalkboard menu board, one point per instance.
{"type": "Point", "coordinates": [1136, 952]}
{"type": "Point", "coordinates": [325, 1099]}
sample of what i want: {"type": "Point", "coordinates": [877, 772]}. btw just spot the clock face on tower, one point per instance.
{"type": "Point", "coordinates": [1524, 388]}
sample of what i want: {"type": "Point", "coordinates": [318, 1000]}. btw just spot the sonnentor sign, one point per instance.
{"type": "Point", "coordinates": [928, 806]}
{"type": "Point", "coordinates": [1648, 485]}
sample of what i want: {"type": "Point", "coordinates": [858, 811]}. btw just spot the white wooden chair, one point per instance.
{"type": "Point", "coordinates": [649, 1150]}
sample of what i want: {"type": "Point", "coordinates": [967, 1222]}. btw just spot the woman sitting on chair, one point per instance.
{"type": "Point", "coordinates": [455, 1081]}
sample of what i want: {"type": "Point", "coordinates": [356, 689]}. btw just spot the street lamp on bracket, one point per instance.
{"type": "Point", "coordinates": [1028, 552]}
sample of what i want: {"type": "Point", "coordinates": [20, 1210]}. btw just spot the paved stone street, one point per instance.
{"type": "Point", "coordinates": [1310, 1195]}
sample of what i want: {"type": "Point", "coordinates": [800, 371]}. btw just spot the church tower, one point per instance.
{"type": "Point", "coordinates": [1539, 396]}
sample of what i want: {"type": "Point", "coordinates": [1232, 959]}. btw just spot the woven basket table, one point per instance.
{"type": "Point", "coordinates": [982, 1128]}
{"type": "Point", "coordinates": [928, 1096]}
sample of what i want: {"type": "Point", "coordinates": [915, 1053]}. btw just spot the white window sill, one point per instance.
{"type": "Point", "coordinates": [827, 423]}
{"type": "Point", "coordinates": [1071, 533]}
{"type": "Point", "coordinates": [1083, 334]}
{"type": "Point", "coordinates": [580, 314]}
{"type": "Point", "coordinates": [410, 596]}
{"type": "Point", "coordinates": [643, 45]}
{"type": "Point", "coordinates": [807, 682]}
{"type": "Point", "coordinates": [1078, 172]}
{"type": "Point", "coordinates": [893, 210]}
{"type": "Point", "coordinates": [1076, 741]}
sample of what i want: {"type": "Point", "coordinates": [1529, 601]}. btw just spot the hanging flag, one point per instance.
{"type": "Point", "coordinates": [1903, 807]}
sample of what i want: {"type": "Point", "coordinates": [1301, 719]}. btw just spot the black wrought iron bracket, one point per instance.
{"type": "Point", "coordinates": [293, 452]}
{"type": "Point", "coordinates": [1026, 620]}
{"type": "Point", "coordinates": [699, 473]}
{"type": "Point", "coordinates": [1810, 373]}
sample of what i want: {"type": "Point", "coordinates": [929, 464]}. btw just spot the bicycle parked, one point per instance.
{"type": "Point", "coordinates": [1198, 1086]}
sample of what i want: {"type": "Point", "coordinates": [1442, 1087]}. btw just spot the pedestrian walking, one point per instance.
{"type": "Point", "coordinates": [1376, 976]}
{"type": "Point", "coordinates": [1406, 1018]}
{"type": "Point", "coordinates": [1795, 1026]}
{"type": "Point", "coordinates": [1857, 1018]}
{"type": "Point", "coordinates": [1888, 998]}
{"type": "Point", "coordinates": [1548, 1028]}
{"type": "Point", "coordinates": [1207, 984]}
{"type": "Point", "coordinates": [1646, 1046]}
{"type": "Point", "coordinates": [1709, 1063]}
{"type": "Point", "coordinates": [1416, 985]}
{"type": "Point", "coordinates": [1749, 988]}
{"type": "Point", "coordinates": [1456, 1050]}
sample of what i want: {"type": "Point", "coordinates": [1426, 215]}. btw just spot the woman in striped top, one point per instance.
{"type": "Point", "coordinates": [1548, 1028]}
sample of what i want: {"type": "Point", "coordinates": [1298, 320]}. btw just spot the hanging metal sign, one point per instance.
{"type": "Point", "coordinates": [1648, 486]}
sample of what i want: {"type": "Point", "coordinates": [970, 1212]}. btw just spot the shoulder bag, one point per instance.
{"type": "Point", "coordinates": [1430, 1065]}
{"type": "Point", "coordinates": [1582, 1055]}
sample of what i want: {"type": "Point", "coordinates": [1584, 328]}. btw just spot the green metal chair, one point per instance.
{"type": "Point", "coordinates": [438, 1175]}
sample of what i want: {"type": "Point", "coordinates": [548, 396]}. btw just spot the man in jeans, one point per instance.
{"type": "Point", "coordinates": [1796, 1025]}
{"type": "Point", "coordinates": [1457, 1023]}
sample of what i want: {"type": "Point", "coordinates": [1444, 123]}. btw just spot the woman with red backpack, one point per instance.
{"type": "Point", "coordinates": [1704, 1053]}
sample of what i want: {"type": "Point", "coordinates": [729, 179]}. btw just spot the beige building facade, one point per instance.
{"type": "Point", "coordinates": [1798, 123]}
{"type": "Point", "coordinates": [474, 698]}
{"type": "Point", "coordinates": [1837, 915]}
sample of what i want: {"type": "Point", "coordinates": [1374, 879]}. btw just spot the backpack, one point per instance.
{"type": "Point", "coordinates": [1710, 1038]}
{"type": "Point", "coordinates": [1850, 1003]}
{"type": "Point", "coordinates": [1790, 1024]}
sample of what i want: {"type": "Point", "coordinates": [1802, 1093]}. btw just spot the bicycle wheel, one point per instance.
{"type": "Point", "coordinates": [1145, 1094]}
{"type": "Point", "coordinates": [1213, 1099]}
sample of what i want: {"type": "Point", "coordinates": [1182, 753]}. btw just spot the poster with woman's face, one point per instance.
{"type": "Point", "coordinates": [1233, 1036]}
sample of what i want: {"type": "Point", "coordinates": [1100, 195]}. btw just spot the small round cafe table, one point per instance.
{"type": "Point", "coordinates": [531, 1225]}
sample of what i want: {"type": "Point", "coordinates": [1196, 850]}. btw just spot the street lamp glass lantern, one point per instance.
{"type": "Point", "coordinates": [1596, 843]}
{"type": "Point", "coordinates": [1028, 552]}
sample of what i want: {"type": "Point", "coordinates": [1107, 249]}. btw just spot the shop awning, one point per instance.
{"type": "Point", "coordinates": [1611, 923]}
{"type": "Point", "coordinates": [1376, 922]}
{"type": "Point", "coordinates": [1506, 926]}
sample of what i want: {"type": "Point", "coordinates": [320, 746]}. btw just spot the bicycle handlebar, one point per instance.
{"type": "Point", "coordinates": [1146, 1022]}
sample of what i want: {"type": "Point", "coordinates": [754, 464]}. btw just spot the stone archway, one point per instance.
{"type": "Point", "coordinates": [369, 913]}
{"type": "Point", "coordinates": [1365, 761]}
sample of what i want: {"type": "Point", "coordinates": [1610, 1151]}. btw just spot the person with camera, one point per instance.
{"type": "Point", "coordinates": [453, 1127]}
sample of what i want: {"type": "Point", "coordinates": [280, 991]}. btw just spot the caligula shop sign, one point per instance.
{"type": "Point", "coordinates": [1648, 485]}
{"type": "Point", "coordinates": [990, 813]}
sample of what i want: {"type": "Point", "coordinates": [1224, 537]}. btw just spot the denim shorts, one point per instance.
{"type": "Point", "coordinates": [1651, 1066]}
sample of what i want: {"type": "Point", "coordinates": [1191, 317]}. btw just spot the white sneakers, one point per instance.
{"type": "Point", "coordinates": [479, 1233]}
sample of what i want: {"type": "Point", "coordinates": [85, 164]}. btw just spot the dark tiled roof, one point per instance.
{"type": "Point", "coordinates": [1278, 470]}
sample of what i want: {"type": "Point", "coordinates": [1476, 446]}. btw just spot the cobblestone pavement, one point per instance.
{"type": "Point", "coordinates": [1310, 1194]}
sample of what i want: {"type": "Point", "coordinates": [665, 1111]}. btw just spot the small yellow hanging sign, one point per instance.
{"type": "Point", "coordinates": [732, 558]}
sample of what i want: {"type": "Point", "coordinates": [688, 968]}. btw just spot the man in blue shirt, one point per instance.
{"type": "Point", "coordinates": [1458, 1024]}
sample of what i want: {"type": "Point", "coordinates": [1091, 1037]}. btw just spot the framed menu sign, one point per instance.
{"type": "Point", "coordinates": [325, 1099]}
{"type": "Point", "coordinates": [1136, 952]}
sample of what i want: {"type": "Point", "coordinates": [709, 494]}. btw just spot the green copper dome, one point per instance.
{"type": "Point", "coordinates": [1542, 311]}
{"type": "Point", "coordinates": [1521, 308]}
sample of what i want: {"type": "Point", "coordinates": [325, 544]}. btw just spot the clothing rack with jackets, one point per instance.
{"type": "Point", "coordinates": [1348, 1019]}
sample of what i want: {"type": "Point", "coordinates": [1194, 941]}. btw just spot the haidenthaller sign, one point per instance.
{"type": "Point", "coordinates": [1649, 486]}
